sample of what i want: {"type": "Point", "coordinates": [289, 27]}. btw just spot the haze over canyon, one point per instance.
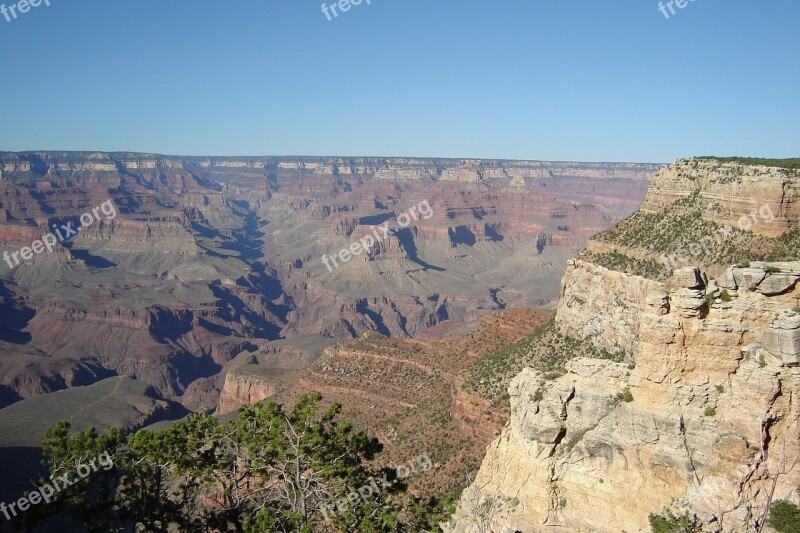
{"type": "Point", "coordinates": [210, 258]}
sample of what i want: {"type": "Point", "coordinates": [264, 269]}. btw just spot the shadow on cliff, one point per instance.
{"type": "Point", "coordinates": [14, 317]}
{"type": "Point", "coordinates": [94, 261]}
{"type": "Point", "coordinates": [461, 235]}
{"type": "Point", "coordinates": [375, 220]}
{"type": "Point", "coordinates": [407, 240]}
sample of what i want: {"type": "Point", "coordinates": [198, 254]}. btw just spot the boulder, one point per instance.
{"type": "Point", "coordinates": [689, 278]}
{"type": "Point", "coordinates": [727, 280]}
{"type": "Point", "coordinates": [748, 278]}
{"type": "Point", "coordinates": [775, 284]}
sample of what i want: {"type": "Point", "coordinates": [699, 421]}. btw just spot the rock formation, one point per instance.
{"type": "Point", "coordinates": [212, 258]}
{"type": "Point", "coordinates": [701, 417]}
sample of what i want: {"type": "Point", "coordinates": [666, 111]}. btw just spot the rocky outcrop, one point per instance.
{"type": "Point", "coordinates": [705, 419]}
{"type": "Point", "coordinates": [769, 279]}
{"type": "Point", "coordinates": [729, 191]}
{"type": "Point", "coordinates": [245, 385]}
{"type": "Point", "coordinates": [782, 339]}
{"type": "Point", "coordinates": [699, 409]}
{"type": "Point", "coordinates": [604, 305]}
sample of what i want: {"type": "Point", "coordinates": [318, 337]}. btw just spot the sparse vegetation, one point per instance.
{"type": "Point", "coordinates": [720, 388]}
{"type": "Point", "coordinates": [264, 470]}
{"type": "Point", "coordinates": [624, 396]}
{"type": "Point", "coordinates": [710, 411]}
{"type": "Point", "coordinates": [788, 163]}
{"type": "Point", "coordinates": [629, 265]}
{"type": "Point", "coordinates": [784, 517]}
{"type": "Point", "coordinates": [545, 349]}
{"type": "Point", "coordinates": [667, 522]}
{"type": "Point", "coordinates": [725, 296]}
{"type": "Point", "coordinates": [682, 227]}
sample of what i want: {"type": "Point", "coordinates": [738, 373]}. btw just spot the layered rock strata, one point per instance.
{"type": "Point", "coordinates": [698, 412]}
{"type": "Point", "coordinates": [706, 419]}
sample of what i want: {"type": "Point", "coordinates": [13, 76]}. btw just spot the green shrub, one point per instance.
{"type": "Point", "coordinates": [725, 296]}
{"type": "Point", "coordinates": [787, 163]}
{"type": "Point", "coordinates": [784, 517]}
{"type": "Point", "coordinates": [743, 264]}
{"type": "Point", "coordinates": [710, 411]}
{"type": "Point", "coordinates": [669, 523]}
{"type": "Point", "coordinates": [772, 270]}
{"type": "Point", "coordinates": [625, 396]}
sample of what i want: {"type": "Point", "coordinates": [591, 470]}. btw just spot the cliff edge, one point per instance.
{"type": "Point", "coordinates": [700, 413]}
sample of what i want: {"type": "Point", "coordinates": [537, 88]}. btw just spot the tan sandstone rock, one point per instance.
{"type": "Point", "coordinates": [580, 454]}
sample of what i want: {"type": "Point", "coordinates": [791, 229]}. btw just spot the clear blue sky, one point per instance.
{"type": "Point", "coordinates": [585, 80]}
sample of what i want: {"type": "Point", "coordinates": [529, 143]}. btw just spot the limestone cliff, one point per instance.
{"type": "Point", "coordinates": [701, 416]}
{"type": "Point", "coordinates": [246, 385]}
{"type": "Point", "coordinates": [706, 213]}
{"type": "Point", "coordinates": [729, 191]}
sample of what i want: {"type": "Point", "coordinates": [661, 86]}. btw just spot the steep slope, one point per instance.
{"type": "Point", "coordinates": [412, 394]}
{"type": "Point", "coordinates": [709, 214]}
{"type": "Point", "coordinates": [700, 413]}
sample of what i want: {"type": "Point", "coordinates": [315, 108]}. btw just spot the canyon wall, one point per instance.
{"type": "Point", "coordinates": [208, 258]}
{"type": "Point", "coordinates": [729, 191]}
{"type": "Point", "coordinates": [699, 412]}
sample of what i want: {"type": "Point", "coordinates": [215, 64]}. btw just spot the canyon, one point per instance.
{"type": "Point", "coordinates": [217, 258]}
{"type": "Point", "coordinates": [528, 335]}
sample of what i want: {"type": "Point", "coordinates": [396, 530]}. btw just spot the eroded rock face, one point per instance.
{"type": "Point", "coordinates": [603, 305]}
{"type": "Point", "coordinates": [782, 339]}
{"type": "Point", "coordinates": [688, 303]}
{"type": "Point", "coordinates": [245, 385]}
{"type": "Point", "coordinates": [605, 445]}
{"type": "Point", "coordinates": [658, 303]}
{"type": "Point", "coordinates": [209, 258]}
{"type": "Point", "coordinates": [729, 192]}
